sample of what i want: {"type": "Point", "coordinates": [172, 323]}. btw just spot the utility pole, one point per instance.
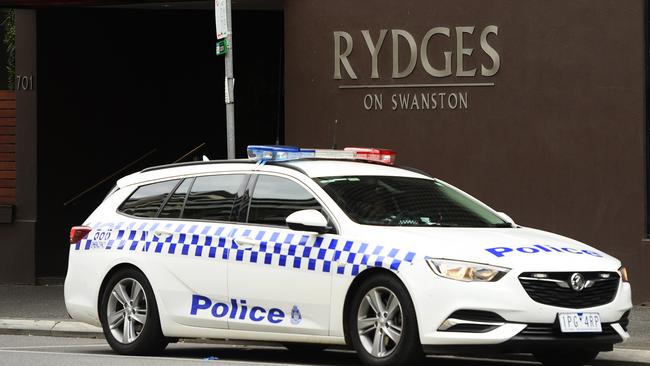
{"type": "Point", "coordinates": [223, 15]}
{"type": "Point", "coordinates": [230, 85]}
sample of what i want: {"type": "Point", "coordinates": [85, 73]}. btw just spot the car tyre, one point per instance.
{"type": "Point", "coordinates": [382, 325]}
{"type": "Point", "coordinates": [129, 315]}
{"type": "Point", "coordinates": [566, 357]}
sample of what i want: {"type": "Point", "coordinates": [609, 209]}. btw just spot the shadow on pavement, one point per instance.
{"type": "Point", "coordinates": [343, 358]}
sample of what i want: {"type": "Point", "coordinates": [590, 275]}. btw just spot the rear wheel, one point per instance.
{"type": "Point", "coordinates": [382, 324]}
{"type": "Point", "coordinates": [566, 357]}
{"type": "Point", "coordinates": [129, 315]}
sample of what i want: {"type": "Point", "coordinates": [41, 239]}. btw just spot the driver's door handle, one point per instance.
{"type": "Point", "coordinates": [247, 243]}
{"type": "Point", "coordinates": [162, 234]}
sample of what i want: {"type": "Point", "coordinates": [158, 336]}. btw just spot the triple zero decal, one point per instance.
{"type": "Point", "coordinates": [101, 237]}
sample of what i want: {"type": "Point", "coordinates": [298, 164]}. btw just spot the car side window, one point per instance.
{"type": "Point", "coordinates": [274, 198]}
{"type": "Point", "coordinates": [174, 206]}
{"type": "Point", "coordinates": [147, 199]}
{"type": "Point", "coordinates": [212, 197]}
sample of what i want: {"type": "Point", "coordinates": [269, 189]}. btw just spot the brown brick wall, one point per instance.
{"type": "Point", "coordinates": [7, 147]}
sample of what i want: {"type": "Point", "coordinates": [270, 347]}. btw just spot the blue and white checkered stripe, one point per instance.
{"type": "Point", "coordinates": [278, 248]}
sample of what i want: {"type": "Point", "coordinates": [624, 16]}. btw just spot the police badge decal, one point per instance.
{"type": "Point", "coordinates": [295, 315]}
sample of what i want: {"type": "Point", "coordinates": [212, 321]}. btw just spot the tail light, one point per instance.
{"type": "Point", "coordinates": [77, 233]}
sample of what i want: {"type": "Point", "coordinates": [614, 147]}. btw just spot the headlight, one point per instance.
{"type": "Point", "coordinates": [623, 273]}
{"type": "Point", "coordinates": [467, 271]}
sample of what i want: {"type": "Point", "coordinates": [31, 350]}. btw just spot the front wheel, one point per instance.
{"type": "Point", "coordinates": [382, 324]}
{"type": "Point", "coordinates": [129, 315]}
{"type": "Point", "coordinates": [566, 357]}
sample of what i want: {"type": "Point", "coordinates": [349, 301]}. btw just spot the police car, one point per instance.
{"type": "Point", "coordinates": [315, 248]}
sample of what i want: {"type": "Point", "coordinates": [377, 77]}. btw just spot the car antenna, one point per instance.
{"type": "Point", "coordinates": [205, 158]}
{"type": "Point", "coordinates": [336, 122]}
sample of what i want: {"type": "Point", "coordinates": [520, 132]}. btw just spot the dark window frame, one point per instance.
{"type": "Point", "coordinates": [250, 189]}
{"type": "Point", "coordinates": [192, 179]}
{"type": "Point", "coordinates": [234, 201]}
{"type": "Point", "coordinates": [240, 189]}
{"type": "Point", "coordinates": [169, 196]}
{"type": "Point", "coordinates": [187, 194]}
{"type": "Point", "coordinates": [232, 219]}
{"type": "Point", "coordinates": [121, 205]}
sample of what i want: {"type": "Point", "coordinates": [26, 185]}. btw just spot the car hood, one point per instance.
{"type": "Point", "coordinates": [517, 248]}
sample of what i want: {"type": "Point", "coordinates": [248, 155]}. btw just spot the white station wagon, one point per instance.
{"type": "Point", "coordinates": [314, 248]}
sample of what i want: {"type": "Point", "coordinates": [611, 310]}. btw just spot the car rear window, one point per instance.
{"type": "Point", "coordinates": [212, 197]}
{"type": "Point", "coordinates": [147, 199]}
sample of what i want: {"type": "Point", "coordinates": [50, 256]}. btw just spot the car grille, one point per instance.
{"type": "Point", "coordinates": [552, 288]}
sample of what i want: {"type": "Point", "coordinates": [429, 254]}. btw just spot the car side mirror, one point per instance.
{"type": "Point", "coordinates": [506, 218]}
{"type": "Point", "coordinates": [308, 220]}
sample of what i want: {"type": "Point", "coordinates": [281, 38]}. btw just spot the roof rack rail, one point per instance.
{"type": "Point", "coordinates": [415, 170]}
{"type": "Point", "coordinates": [190, 163]}
{"type": "Point", "coordinates": [288, 166]}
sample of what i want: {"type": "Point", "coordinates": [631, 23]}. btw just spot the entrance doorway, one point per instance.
{"type": "Point", "coordinates": [121, 89]}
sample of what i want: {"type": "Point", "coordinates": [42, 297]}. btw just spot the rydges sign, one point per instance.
{"type": "Point", "coordinates": [485, 65]}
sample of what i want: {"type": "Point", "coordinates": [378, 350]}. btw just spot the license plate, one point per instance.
{"type": "Point", "coordinates": [580, 322]}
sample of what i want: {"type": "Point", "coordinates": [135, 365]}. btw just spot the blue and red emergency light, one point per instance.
{"type": "Point", "coordinates": [286, 153]}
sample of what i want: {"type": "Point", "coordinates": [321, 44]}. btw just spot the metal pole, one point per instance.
{"type": "Point", "coordinates": [230, 90]}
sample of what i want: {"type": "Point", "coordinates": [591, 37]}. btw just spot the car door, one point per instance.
{"type": "Point", "coordinates": [195, 234]}
{"type": "Point", "coordinates": [281, 278]}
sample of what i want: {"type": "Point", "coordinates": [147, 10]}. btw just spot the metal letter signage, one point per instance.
{"type": "Point", "coordinates": [490, 51]}
{"type": "Point", "coordinates": [424, 54]}
{"type": "Point", "coordinates": [397, 34]}
{"type": "Point", "coordinates": [442, 52]}
{"type": "Point", "coordinates": [342, 58]}
{"type": "Point", "coordinates": [374, 49]}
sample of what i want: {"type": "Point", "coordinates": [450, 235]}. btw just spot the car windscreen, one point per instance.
{"type": "Point", "coordinates": [404, 201]}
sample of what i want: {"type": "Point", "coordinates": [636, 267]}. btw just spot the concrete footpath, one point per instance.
{"type": "Point", "coordinates": [40, 310]}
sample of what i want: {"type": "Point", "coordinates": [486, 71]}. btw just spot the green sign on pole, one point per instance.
{"type": "Point", "coordinates": [222, 47]}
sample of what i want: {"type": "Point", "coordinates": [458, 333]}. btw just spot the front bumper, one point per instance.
{"type": "Point", "coordinates": [536, 337]}
{"type": "Point", "coordinates": [436, 299]}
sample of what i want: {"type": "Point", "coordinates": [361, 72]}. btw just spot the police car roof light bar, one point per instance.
{"type": "Point", "coordinates": [264, 153]}
{"type": "Point", "coordinates": [370, 153]}
{"type": "Point", "coordinates": [277, 153]}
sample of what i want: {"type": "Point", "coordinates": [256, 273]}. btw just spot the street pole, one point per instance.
{"type": "Point", "coordinates": [230, 89]}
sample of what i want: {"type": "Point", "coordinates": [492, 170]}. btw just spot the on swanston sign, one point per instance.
{"type": "Point", "coordinates": [435, 97]}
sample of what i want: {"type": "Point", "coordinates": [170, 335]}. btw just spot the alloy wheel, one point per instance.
{"type": "Point", "coordinates": [127, 310]}
{"type": "Point", "coordinates": [379, 322]}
